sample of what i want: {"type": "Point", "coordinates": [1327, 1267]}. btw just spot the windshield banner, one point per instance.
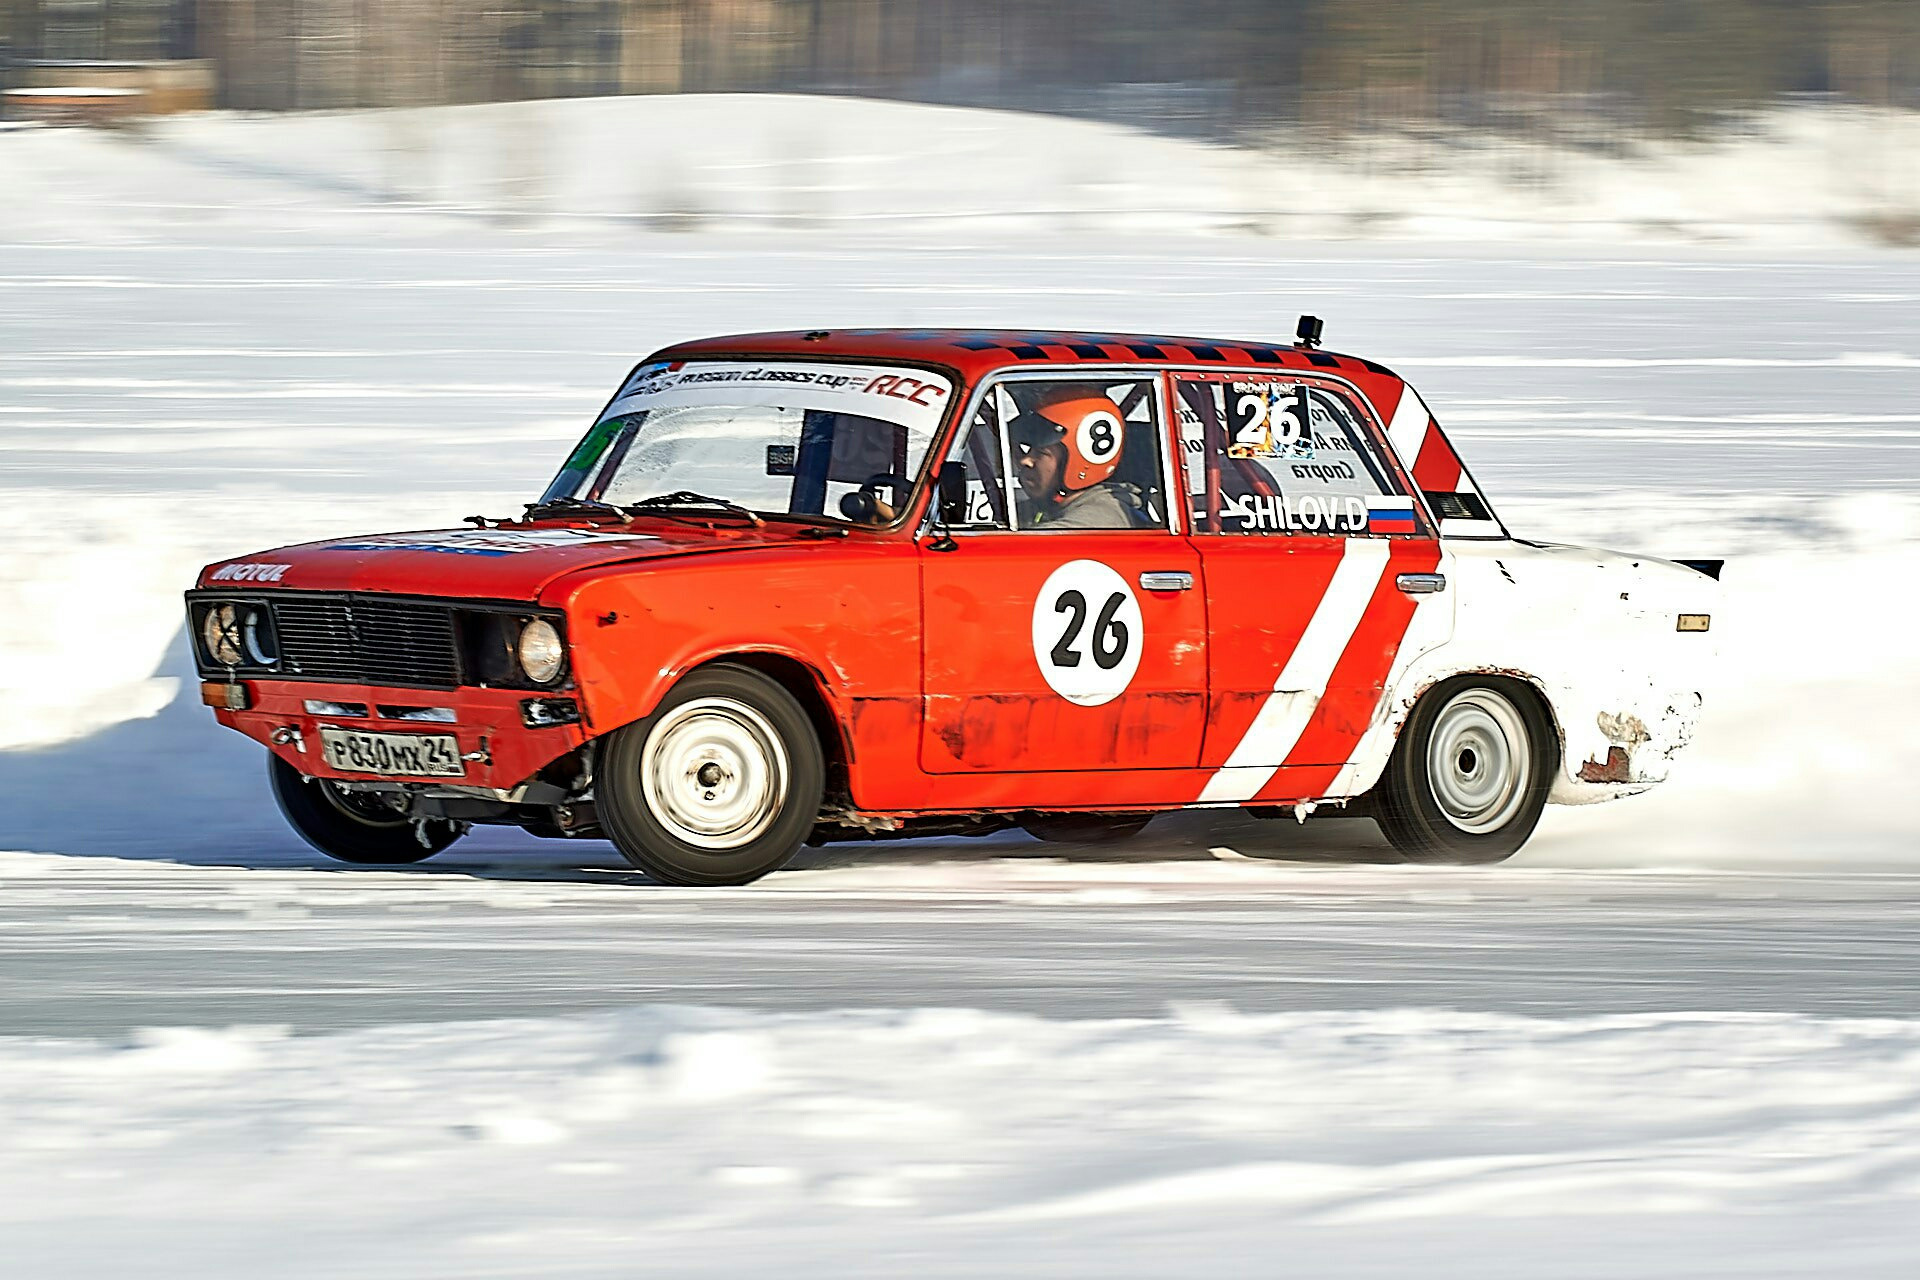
{"type": "Point", "coordinates": [912, 398]}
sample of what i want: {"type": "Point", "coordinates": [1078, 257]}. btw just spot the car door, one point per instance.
{"type": "Point", "coordinates": [1049, 647]}
{"type": "Point", "coordinates": [1323, 575]}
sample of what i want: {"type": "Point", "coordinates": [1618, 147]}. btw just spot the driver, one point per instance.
{"type": "Point", "coordinates": [1070, 442]}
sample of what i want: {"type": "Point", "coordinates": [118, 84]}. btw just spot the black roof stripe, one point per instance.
{"type": "Point", "coordinates": [1035, 345]}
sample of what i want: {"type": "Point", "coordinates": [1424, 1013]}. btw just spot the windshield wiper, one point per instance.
{"type": "Point", "coordinates": [665, 503]}
{"type": "Point", "coordinates": [573, 507]}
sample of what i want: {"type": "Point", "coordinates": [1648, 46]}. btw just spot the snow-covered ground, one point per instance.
{"type": "Point", "coordinates": [669, 1141]}
{"type": "Point", "coordinates": [1676, 1036]}
{"type": "Point", "coordinates": [1799, 176]}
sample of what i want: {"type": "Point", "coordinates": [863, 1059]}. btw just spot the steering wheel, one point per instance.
{"type": "Point", "coordinates": [866, 506]}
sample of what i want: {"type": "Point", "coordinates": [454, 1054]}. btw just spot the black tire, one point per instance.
{"type": "Point", "coordinates": [1085, 828]}
{"type": "Point", "coordinates": [1497, 748]}
{"type": "Point", "coordinates": [353, 827]}
{"type": "Point", "coordinates": [737, 775]}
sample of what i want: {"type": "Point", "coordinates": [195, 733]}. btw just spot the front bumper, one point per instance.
{"type": "Point", "coordinates": [488, 724]}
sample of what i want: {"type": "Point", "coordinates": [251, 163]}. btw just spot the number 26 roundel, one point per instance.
{"type": "Point", "coordinates": [1087, 632]}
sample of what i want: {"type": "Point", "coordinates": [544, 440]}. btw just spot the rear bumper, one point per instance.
{"type": "Point", "coordinates": [487, 723]}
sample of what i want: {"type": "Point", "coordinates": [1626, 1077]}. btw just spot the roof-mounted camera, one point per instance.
{"type": "Point", "coordinates": [1307, 333]}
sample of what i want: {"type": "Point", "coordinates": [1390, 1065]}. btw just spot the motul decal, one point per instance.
{"type": "Point", "coordinates": [249, 571]}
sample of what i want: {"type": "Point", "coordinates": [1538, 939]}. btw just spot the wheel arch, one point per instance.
{"type": "Point", "coordinates": [1529, 686]}
{"type": "Point", "coordinates": [1374, 752]}
{"type": "Point", "coordinates": [799, 678]}
{"type": "Point", "coordinates": [1411, 805]}
{"type": "Point", "coordinates": [809, 689]}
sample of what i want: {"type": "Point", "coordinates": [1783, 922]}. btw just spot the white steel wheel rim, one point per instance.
{"type": "Point", "coordinates": [1479, 761]}
{"type": "Point", "coordinates": [715, 773]}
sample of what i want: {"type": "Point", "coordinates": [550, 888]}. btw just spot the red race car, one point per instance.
{"type": "Point", "coordinates": [801, 587]}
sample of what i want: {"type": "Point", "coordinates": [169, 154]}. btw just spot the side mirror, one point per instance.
{"type": "Point", "coordinates": [952, 492]}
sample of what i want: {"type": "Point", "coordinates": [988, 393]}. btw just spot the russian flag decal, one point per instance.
{"type": "Point", "coordinates": [1390, 514]}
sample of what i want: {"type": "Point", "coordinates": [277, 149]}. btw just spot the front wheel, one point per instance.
{"type": "Point", "coordinates": [1470, 774]}
{"type": "Point", "coordinates": [720, 785]}
{"type": "Point", "coordinates": [355, 826]}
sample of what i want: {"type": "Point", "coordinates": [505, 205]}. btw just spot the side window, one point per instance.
{"type": "Point", "coordinates": [979, 449]}
{"type": "Point", "coordinates": [1269, 454]}
{"type": "Point", "coordinates": [1085, 452]}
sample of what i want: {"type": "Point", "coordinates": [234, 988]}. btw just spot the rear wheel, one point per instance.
{"type": "Point", "coordinates": [355, 826]}
{"type": "Point", "coordinates": [1470, 774]}
{"type": "Point", "coordinates": [720, 785]}
{"type": "Point", "coordinates": [1085, 828]}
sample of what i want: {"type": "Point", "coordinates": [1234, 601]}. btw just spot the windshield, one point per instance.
{"type": "Point", "coordinates": [779, 438]}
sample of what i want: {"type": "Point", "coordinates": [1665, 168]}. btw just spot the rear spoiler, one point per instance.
{"type": "Point", "coordinates": [1709, 567]}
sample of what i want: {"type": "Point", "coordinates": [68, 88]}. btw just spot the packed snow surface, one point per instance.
{"type": "Point", "coordinates": [1676, 1036]}
{"type": "Point", "coordinates": [1806, 176]}
{"type": "Point", "coordinates": [960, 1143]}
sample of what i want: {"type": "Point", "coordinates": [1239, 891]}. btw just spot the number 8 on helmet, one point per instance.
{"type": "Point", "coordinates": [1090, 429]}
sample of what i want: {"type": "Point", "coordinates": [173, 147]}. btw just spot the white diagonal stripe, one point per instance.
{"type": "Point", "coordinates": [1283, 717]}
{"type": "Point", "coordinates": [1408, 430]}
{"type": "Point", "coordinates": [1430, 627]}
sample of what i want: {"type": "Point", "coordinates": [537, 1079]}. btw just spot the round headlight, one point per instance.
{"type": "Point", "coordinates": [220, 631]}
{"type": "Point", "coordinates": [541, 654]}
{"type": "Point", "coordinates": [256, 636]}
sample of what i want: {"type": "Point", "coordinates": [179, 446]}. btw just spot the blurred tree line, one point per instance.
{"type": "Point", "coordinates": [1212, 66]}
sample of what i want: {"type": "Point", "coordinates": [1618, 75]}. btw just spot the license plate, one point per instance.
{"type": "Point", "coordinates": [405, 755]}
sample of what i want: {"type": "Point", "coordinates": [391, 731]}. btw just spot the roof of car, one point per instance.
{"type": "Point", "coordinates": [976, 351]}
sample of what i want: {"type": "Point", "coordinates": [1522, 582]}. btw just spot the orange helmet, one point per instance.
{"type": "Point", "coordinates": [1088, 426]}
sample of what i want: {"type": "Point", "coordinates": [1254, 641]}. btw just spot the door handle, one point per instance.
{"type": "Point", "coordinates": [1421, 584]}
{"type": "Point", "coordinates": [1167, 580]}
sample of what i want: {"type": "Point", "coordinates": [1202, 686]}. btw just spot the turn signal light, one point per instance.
{"type": "Point", "coordinates": [227, 697]}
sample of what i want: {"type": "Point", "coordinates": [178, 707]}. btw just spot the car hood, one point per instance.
{"type": "Point", "coordinates": [509, 563]}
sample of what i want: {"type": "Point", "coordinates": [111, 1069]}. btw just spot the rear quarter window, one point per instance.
{"type": "Point", "coordinates": [1272, 454]}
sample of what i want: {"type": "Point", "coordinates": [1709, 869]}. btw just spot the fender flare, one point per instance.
{"type": "Point", "coordinates": [1377, 744]}
{"type": "Point", "coordinates": [803, 679]}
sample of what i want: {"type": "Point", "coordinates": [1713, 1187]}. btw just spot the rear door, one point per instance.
{"type": "Point", "coordinates": [1319, 568]}
{"type": "Point", "coordinates": [1051, 648]}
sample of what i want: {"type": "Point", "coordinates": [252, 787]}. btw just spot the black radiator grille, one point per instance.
{"type": "Point", "coordinates": [361, 640]}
